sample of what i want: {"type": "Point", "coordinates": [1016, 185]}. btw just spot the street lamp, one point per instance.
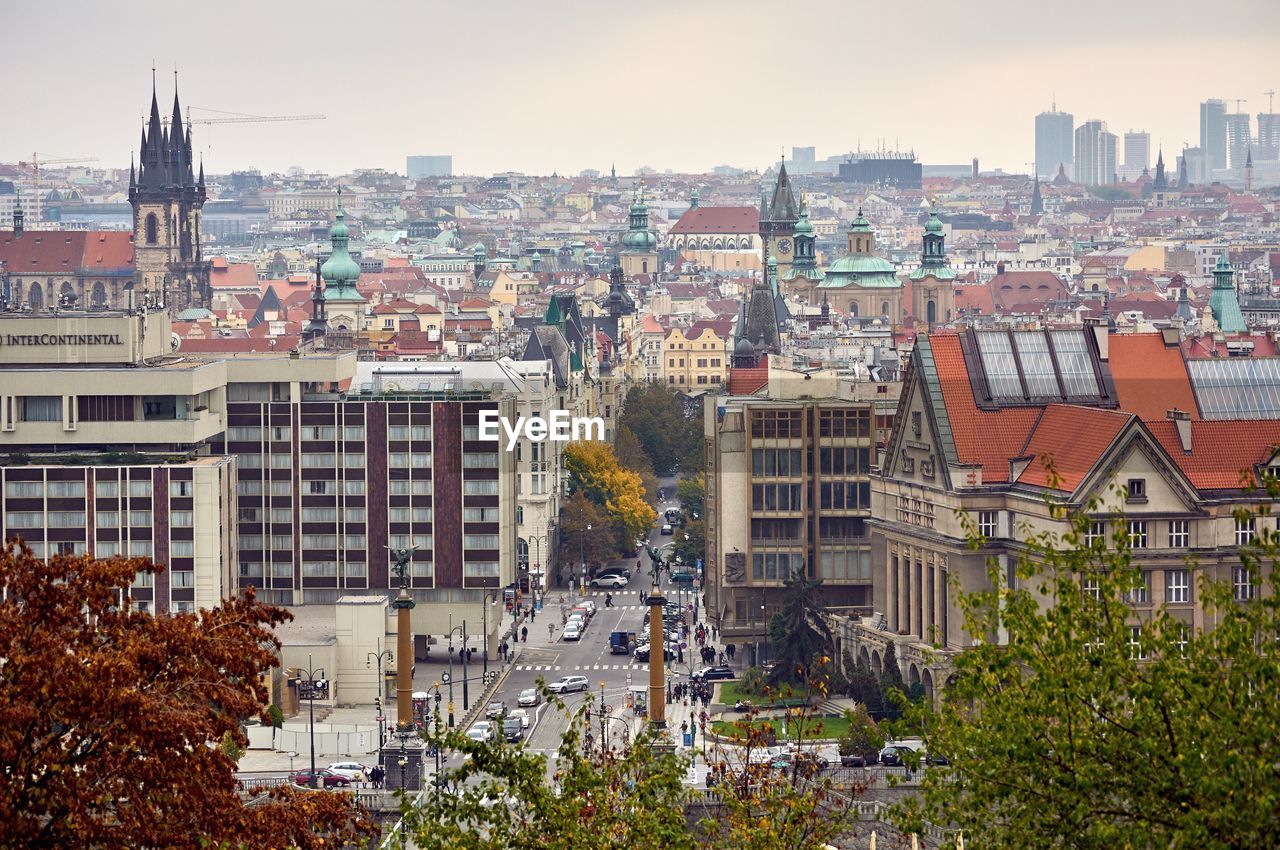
{"type": "Point", "coordinates": [462, 632]}
{"type": "Point", "coordinates": [538, 541]}
{"type": "Point", "coordinates": [315, 683]}
{"type": "Point", "coordinates": [582, 558]}
{"type": "Point", "coordinates": [438, 779]}
{"type": "Point", "coordinates": [484, 614]}
{"type": "Point", "coordinates": [379, 657]}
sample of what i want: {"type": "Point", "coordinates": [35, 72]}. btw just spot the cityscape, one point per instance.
{"type": "Point", "coordinates": [538, 465]}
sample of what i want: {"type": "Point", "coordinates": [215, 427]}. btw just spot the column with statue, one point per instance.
{"type": "Point", "coordinates": [402, 754]}
{"type": "Point", "coordinates": [657, 645]}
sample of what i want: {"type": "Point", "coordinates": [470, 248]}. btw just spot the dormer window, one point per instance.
{"type": "Point", "coordinates": [1137, 490]}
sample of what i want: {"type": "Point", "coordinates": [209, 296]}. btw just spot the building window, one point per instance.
{"type": "Point", "coordinates": [1096, 531]}
{"type": "Point", "coordinates": [42, 409]}
{"type": "Point", "coordinates": [1183, 638]}
{"type": "Point", "coordinates": [139, 548]}
{"type": "Point", "coordinates": [182, 548]}
{"type": "Point", "coordinates": [1177, 586]}
{"type": "Point", "coordinates": [1141, 594]}
{"type": "Point", "coordinates": [1137, 489]}
{"type": "Point", "coordinates": [1092, 587]}
{"type": "Point", "coordinates": [480, 569]}
{"type": "Point", "coordinates": [480, 488]}
{"type": "Point", "coordinates": [1136, 652]}
{"type": "Point", "coordinates": [181, 519]}
{"type": "Point", "coordinates": [1242, 583]}
{"type": "Point", "coordinates": [65, 489]}
{"type": "Point", "coordinates": [1137, 534]}
{"type": "Point", "coordinates": [107, 489]}
{"type": "Point", "coordinates": [1245, 530]}
{"type": "Point", "coordinates": [988, 523]}
{"type": "Point", "coordinates": [398, 432]}
{"type": "Point", "coordinates": [480, 541]}
{"type": "Point", "coordinates": [1179, 537]}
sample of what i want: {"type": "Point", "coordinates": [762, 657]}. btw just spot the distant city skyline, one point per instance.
{"type": "Point", "coordinates": [576, 85]}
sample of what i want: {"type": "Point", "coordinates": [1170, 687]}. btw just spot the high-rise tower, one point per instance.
{"type": "Point", "coordinates": [168, 197]}
{"type": "Point", "coordinates": [1054, 142]}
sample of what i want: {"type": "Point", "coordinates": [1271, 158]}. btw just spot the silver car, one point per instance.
{"type": "Point", "coordinates": [529, 696]}
{"type": "Point", "coordinates": [567, 684]}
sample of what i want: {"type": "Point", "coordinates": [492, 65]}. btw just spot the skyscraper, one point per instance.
{"type": "Point", "coordinates": [1137, 154]}
{"type": "Point", "coordinates": [1053, 142]}
{"type": "Point", "coordinates": [1213, 132]}
{"type": "Point", "coordinates": [418, 167]}
{"type": "Point", "coordinates": [1095, 153]}
{"type": "Point", "coordinates": [1268, 136]}
{"type": "Point", "coordinates": [1239, 138]}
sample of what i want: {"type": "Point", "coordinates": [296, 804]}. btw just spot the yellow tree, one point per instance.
{"type": "Point", "coordinates": [595, 472]}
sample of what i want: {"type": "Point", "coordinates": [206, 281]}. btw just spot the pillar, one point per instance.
{"type": "Point", "coordinates": [657, 662]}
{"type": "Point", "coordinates": [402, 754]}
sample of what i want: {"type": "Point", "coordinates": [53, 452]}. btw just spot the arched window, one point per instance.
{"type": "Point", "coordinates": [98, 296]}
{"type": "Point", "coordinates": [35, 297]}
{"type": "Point", "coordinates": [931, 311]}
{"type": "Point", "coordinates": [153, 229]}
{"type": "Point", "coordinates": [884, 308]}
{"type": "Point", "coordinates": [853, 308]}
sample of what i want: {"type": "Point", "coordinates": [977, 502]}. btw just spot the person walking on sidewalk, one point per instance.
{"type": "Point", "coordinates": [608, 600]}
{"type": "Point", "coordinates": [524, 633]}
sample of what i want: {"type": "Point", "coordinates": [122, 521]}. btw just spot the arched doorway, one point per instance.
{"type": "Point", "coordinates": [853, 308]}
{"type": "Point", "coordinates": [884, 308]}
{"type": "Point", "coordinates": [927, 678]}
{"type": "Point", "coordinates": [67, 295]}
{"type": "Point", "coordinates": [35, 297]}
{"type": "Point", "coordinates": [98, 296]}
{"type": "Point", "coordinates": [875, 662]}
{"type": "Point", "coordinates": [864, 658]}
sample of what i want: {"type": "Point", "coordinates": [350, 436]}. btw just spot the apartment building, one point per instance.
{"type": "Point", "coordinates": [696, 358]}
{"type": "Point", "coordinates": [992, 424]}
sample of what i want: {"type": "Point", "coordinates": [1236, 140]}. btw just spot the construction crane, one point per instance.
{"type": "Point", "coordinates": [35, 164]}
{"type": "Point", "coordinates": [243, 117]}
{"type": "Point", "coordinates": [1239, 100]}
{"type": "Point", "coordinates": [1271, 101]}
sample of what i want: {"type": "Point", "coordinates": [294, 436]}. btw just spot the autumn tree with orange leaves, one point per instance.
{"type": "Point", "coordinates": [111, 718]}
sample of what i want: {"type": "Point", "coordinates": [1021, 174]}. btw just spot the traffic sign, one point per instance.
{"type": "Point", "coordinates": [379, 718]}
{"type": "Point", "coordinates": [445, 678]}
{"type": "Point", "coordinates": [608, 709]}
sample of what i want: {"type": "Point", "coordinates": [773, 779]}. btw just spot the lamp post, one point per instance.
{"type": "Point", "coordinates": [484, 614]}
{"type": "Point", "coordinates": [538, 541]}
{"type": "Point", "coordinates": [380, 656]}
{"type": "Point", "coordinates": [451, 631]}
{"type": "Point", "coordinates": [439, 767]}
{"type": "Point", "coordinates": [404, 763]}
{"type": "Point", "coordinates": [315, 684]}
{"type": "Point", "coordinates": [603, 733]}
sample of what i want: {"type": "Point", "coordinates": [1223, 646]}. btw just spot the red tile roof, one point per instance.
{"type": "Point", "coordinates": [1221, 449]}
{"type": "Point", "coordinates": [737, 220]}
{"type": "Point", "coordinates": [64, 251]}
{"type": "Point", "coordinates": [1070, 439]}
{"type": "Point", "coordinates": [987, 438]}
{"type": "Point", "coordinates": [1010, 289]}
{"type": "Point", "coordinates": [1151, 378]}
{"type": "Point", "coordinates": [748, 381]}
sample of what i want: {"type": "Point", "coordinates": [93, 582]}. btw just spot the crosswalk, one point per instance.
{"type": "Point", "coordinates": [560, 668]}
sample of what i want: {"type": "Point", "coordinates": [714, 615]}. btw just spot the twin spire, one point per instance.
{"type": "Point", "coordinates": [165, 160]}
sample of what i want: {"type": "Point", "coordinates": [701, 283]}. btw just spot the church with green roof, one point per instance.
{"type": "Point", "coordinates": [860, 284]}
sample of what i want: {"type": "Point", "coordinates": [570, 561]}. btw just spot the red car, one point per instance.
{"type": "Point", "coordinates": [328, 777]}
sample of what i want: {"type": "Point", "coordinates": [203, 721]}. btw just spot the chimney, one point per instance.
{"type": "Point", "coordinates": [1100, 331]}
{"type": "Point", "coordinates": [1182, 421]}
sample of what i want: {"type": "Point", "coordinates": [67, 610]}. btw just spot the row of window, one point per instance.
{"type": "Point", "coordinates": [350, 433]}
{"type": "Point", "coordinates": [701, 379]}
{"type": "Point", "coordinates": [776, 497]}
{"type": "Point", "coordinates": [75, 489]}
{"type": "Point", "coordinates": [782, 463]}
{"type": "Point", "coordinates": [1177, 586]}
{"type": "Point", "coordinates": [769, 566]}
{"type": "Point", "coordinates": [702, 363]}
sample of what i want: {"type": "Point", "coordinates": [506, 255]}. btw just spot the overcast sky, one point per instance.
{"type": "Point", "coordinates": [562, 85]}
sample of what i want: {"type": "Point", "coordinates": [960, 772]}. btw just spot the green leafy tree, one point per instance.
{"type": "Point", "coordinates": [1096, 724]}
{"type": "Point", "coordinates": [692, 493]}
{"type": "Point", "coordinates": [655, 415]}
{"type": "Point", "coordinates": [598, 544]}
{"type": "Point", "coordinates": [798, 633]}
{"type": "Point", "coordinates": [631, 456]}
{"type": "Point", "coordinates": [864, 737]}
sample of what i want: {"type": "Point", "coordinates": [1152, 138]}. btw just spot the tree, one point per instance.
{"type": "Point", "coordinates": [1099, 726]}
{"type": "Point", "coordinates": [593, 546]}
{"type": "Point", "coordinates": [892, 694]}
{"type": "Point", "coordinates": [631, 456]}
{"type": "Point", "coordinates": [112, 721]}
{"type": "Point", "coordinates": [655, 415]}
{"type": "Point", "coordinates": [864, 737]}
{"type": "Point", "coordinates": [691, 542]}
{"type": "Point", "coordinates": [798, 633]}
{"type": "Point", "coordinates": [500, 798]}
{"type": "Point", "coordinates": [692, 493]}
{"type": "Point", "coordinates": [594, 471]}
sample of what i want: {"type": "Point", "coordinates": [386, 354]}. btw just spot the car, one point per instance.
{"type": "Point", "coordinates": [667, 530]}
{"type": "Point", "coordinates": [804, 763]}
{"type": "Point", "coordinates": [936, 759]}
{"type": "Point", "coordinates": [642, 653]}
{"type": "Point", "coordinates": [682, 576]}
{"type": "Point", "coordinates": [567, 684]}
{"type": "Point", "coordinates": [572, 631]}
{"type": "Point", "coordinates": [529, 696]}
{"type": "Point", "coordinates": [497, 708]}
{"type": "Point", "coordinates": [711, 674]}
{"type": "Point", "coordinates": [327, 778]}
{"type": "Point", "coordinates": [589, 605]}
{"type": "Point", "coordinates": [481, 730]}
{"type": "Point", "coordinates": [519, 714]}
{"type": "Point", "coordinates": [615, 571]}
{"type": "Point", "coordinates": [671, 514]}
{"type": "Point", "coordinates": [612, 580]}
{"type": "Point", "coordinates": [891, 757]}
{"type": "Point", "coordinates": [512, 730]}
{"type": "Point", "coordinates": [855, 760]}
{"type": "Point", "coordinates": [353, 770]}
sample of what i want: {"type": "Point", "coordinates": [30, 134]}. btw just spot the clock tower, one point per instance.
{"type": "Point", "coordinates": [778, 217]}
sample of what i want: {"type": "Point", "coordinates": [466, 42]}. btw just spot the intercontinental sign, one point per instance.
{"type": "Point", "coordinates": [62, 339]}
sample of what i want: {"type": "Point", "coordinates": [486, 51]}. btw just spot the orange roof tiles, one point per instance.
{"type": "Point", "coordinates": [1221, 449]}
{"type": "Point", "coordinates": [709, 220]}
{"type": "Point", "coordinates": [986, 438]}
{"type": "Point", "coordinates": [748, 381]}
{"type": "Point", "coordinates": [1151, 378]}
{"type": "Point", "coordinates": [1070, 439]}
{"type": "Point", "coordinates": [64, 251]}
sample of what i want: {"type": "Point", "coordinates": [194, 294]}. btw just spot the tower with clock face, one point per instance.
{"type": "Point", "coordinates": [778, 217]}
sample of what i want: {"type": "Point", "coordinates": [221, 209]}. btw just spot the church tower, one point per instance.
{"type": "Point", "coordinates": [168, 198]}
{"type": "Point", "coordinates": [639, 245]}
{"type": "Point", "coordinates": [778, 219]}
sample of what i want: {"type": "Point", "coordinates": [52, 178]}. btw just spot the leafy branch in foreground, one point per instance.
{"type": "Point", "coordinates": [1098, 722]}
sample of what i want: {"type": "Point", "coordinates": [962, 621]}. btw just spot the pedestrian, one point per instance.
{"type": "Point", "coordinates": [532, 614]}
{"type": "Point", "coordinates": [729, 650]}
{"type": "Point", "coordinates": [375, 776]}
{"type": "Point", "coordinates": [608, 600]}
{"type": "Point", "coordinates": [644, 597]}
{"type": "Point", "coordinates": [524, 633]}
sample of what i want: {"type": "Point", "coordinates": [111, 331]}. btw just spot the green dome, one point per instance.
{"type": "Point", "coordinates": [639, 240]}
{"type": "Point", "coordinates": [340, 272]}
{"type": "Point", "coordinates": [478, 250]}
{"type": "Point", "coordinates": [803, 226]}
{"type": "Point", "coordinates": [861, 264]}
{"type": "Point", "coordinates": [860, 270]}
{"type": "Point", "coordinates": [860, 224]}
{"type": "Point", "coordinates": [934, 225]}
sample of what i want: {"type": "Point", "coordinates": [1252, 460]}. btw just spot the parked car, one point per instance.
{"type": "Point", "coordinates": [671, 514]}
{"type": "Point", "coordinates": [803, 763]}
{"type": "Point", "coordinates": [328, 778]}
{"type": "Point", "coordinates": [711, 674]}
{"type": "Point", "coordinates": [936, 759]}
{"type": "Point", "coordinates": [612, 580]}
{"type": "Point", "coordinates": [682, 576]}
{"type": "Point", "coordinates": [854, 760]}
{"type": "Point", "coordinates": [615, 571]}
{"type": "Point", "coordinates": [512, 730]}
{"type": "Point", "coordinates": [481, 730]}
{"type": "Point", "coordinates": [529, 696]}
{"type": "Point", "coordinates": [353, 770]}
{"type": "Point", "coordinates": [891, 757]}
{"type": "Point", "coordinates": [642, 653]}
{"type": "Point", "coordinates": [589, 604]}
{"type": "Point", "coordinates": [572, 630]}
{"type": "Point", "coordinates": [667, 530]}
{"type": "Point", "coordinates": [567, 684]}
{"type": "Point", "coordinates": [519, 714]}
{"type": "Point", "coordinates": [497, 708]}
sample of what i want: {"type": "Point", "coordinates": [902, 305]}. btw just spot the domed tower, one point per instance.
{"type": "Point", "coordinates": [932, 289]}
{"type": "Point", "coordinates": [346, 306]}
{"type": "Point", "coordinates": [639, 244]}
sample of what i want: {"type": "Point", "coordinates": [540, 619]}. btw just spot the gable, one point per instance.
{"type": "Point", "coordinates": [1137, 455]}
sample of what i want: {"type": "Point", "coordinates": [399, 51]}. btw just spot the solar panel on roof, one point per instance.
{"type": "Point", "coordinates": [1074, 363]}
{"type": "Point", "coordinates": [1243, 388]}
{"type": "Point", "coordinates": [1037, 364]}
{"type": "Point", "coordinates": [999, 365]}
